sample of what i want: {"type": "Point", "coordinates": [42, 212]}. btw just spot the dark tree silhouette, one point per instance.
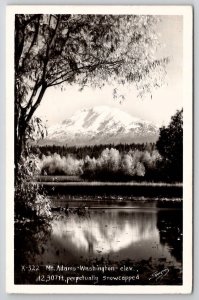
{"type": "Point", "coordinates": [170, 146]}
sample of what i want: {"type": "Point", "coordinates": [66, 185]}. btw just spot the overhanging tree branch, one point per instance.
{"type": "Point", "coordinates": [34, 92]}
{"type": "Point", "coordinates": [35, 106]}
{"type": "Point", "coordinates": [84, 69]}
{"type": "Point", "coordinates": [35, 37]}
{"type": "Point", "coordinates": [46, 59]}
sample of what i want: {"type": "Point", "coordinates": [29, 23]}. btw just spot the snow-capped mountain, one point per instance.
{"type": "Point", "coordinates": [101, 125]}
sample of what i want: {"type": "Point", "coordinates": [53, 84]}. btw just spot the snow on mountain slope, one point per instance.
{"type": "Point", "coordinates": [101, 125]}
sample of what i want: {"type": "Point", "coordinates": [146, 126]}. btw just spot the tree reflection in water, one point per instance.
{"type": "Point", "coordinates": [29, 243]}
{"type": "Point", "coordinates": [170, 228]}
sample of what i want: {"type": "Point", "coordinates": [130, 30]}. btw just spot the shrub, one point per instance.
{"type": "Point", "coordinates": [58, 165]}
{"type": "Point", "coordinates": [30, 200]}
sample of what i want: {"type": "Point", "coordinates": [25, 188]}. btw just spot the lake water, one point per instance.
{"type": "Point", "coordinates": [141, 236]}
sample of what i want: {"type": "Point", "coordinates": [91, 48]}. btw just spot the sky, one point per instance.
{"type": "Point", "coordinates": [59, 105]}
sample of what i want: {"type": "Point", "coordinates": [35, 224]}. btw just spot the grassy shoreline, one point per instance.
{"type": "Point", "coordinates": [106, 189]}
{"type": "Point", "coordinates": [76, 180]}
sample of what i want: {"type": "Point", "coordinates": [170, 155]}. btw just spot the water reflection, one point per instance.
{"type": "Point", "coordinates": [170, 228]}
{"type": "Point", "coordinates": [106, 232]}
{"type": "Point", "coordinates": [116, 234]}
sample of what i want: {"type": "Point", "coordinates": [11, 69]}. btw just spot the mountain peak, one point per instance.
{"type": "Point", "coordinates": [101, 125]}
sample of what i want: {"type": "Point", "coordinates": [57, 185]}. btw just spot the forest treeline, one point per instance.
{"type": "Point", "coordinates": [92, 151]}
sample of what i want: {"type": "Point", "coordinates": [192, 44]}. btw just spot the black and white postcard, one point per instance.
{"type": "Point", "coordinates": [99, 149]}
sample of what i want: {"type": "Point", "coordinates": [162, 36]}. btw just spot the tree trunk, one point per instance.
{"type": "Point", "coordinates": [22, 119]}
{"type": "Point", "coordinates": [19, 142]}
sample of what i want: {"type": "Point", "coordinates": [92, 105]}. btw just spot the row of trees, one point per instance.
{"type": "Point", "coordinates": [92, 151]}
{"type": "Point", "coordinates": [110, 165]}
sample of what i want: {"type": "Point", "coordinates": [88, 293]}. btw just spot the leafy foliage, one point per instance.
{"type": "Point", "coordinates": [36, 129]}
{"type": "Point", "coordinates": [58, 165]}
{"type": "Point", "coordinates": [30, 200]}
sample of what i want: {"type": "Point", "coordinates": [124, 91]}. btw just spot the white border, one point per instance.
{"type": "Point", "coordinates": [186, 12]}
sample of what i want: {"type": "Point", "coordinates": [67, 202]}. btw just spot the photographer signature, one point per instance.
{"type": "Point", "coordinates": [158, 275]}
